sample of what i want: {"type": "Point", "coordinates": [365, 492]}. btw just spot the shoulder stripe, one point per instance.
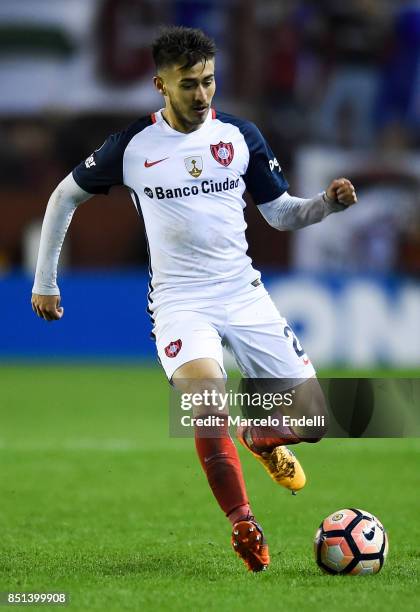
{"type": "Point", "coordinates": [261, 181]}
{"type": "Point", "coordinates": [105, 167]}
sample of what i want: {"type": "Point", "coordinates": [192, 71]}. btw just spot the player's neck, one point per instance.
{"type": "Point", "coordinates": [177, 123]}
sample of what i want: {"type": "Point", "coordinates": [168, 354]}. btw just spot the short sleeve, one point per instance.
{"type": "Point", "coordinates": [104, 168]}
{"type": "Point", "coordinates": [264, 178]}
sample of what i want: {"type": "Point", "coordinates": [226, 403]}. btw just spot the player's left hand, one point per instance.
{"type": "Point", "coordinates": [341, 190]}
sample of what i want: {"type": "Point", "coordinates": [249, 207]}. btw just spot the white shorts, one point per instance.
{"type": "Point", "coordinates": [249, 325]}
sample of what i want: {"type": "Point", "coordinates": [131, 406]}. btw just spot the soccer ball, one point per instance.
{"type": "Point", "coordinates": [351, 541]}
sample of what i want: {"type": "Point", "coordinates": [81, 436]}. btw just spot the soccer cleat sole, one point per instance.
{"type": "Point", "coordinates": [249, 544]}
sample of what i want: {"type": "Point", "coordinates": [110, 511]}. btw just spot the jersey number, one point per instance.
{"type": "Point", "coordinates": [296, 345]}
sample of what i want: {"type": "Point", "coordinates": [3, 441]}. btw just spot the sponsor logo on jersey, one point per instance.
{"type": "Point", "coordinates": [207, 186]}
{"type": "Point", "coordinates": [194, 165]}
{"type": "Point", "coordinates": [90, 162]}
{"type": "Point", "coordinates": [273, 163]}
{"type": "Point", "coordinates": [148, 164]}
{"type": "Point", "coordinates": [173, 348]}
{"type": "Point", "coordinates": [223, 152]}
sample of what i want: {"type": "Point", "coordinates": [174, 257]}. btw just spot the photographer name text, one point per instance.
{"type": "Point", "coordinates": [269, 421]}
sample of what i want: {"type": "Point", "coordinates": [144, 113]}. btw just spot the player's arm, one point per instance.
{"type": "Point", "coordinates": [268, 187]}
{"type": "Point", "coordinates": [60, 209]}
{"type": "Point", "coordinates": [97, 174]}
{"type": "Point", "coordinates": [291, 213]}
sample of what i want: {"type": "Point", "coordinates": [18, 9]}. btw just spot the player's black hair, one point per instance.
{"type": "Point", "coordinates": [180, 44]}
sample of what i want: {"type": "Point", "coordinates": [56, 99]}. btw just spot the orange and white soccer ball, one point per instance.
{"type": "Point", "coordinates": [351, 541]}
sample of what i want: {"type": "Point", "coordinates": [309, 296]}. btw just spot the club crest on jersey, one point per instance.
{"type": "Point", "coordinates": [223, 152]}
{"type": "Point", "coordinates": [173, 348]}
{"type": "Point", "coordinates": [194, 165]}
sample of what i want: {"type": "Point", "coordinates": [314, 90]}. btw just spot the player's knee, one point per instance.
{"type": "Point", "coordinates": [205, 387]}
{"type": "Point", "coordinates": [311, 404]}
{"type": "Point", "coordinates": [198, 369]}
{"type": "Point", "coordinates": [206, 396]}
{"type": "Point", "coordinates": [319, 417]}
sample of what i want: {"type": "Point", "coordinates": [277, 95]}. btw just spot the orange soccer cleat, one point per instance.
{"type": "Point", "coordinates": [249, 543]}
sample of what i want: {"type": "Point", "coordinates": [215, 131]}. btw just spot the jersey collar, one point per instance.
{"type": "Point", "coordinates": [157, 117]}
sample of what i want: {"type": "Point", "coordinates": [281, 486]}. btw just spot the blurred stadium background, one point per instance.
{"type": "Point", "coordinates": [336, 89]}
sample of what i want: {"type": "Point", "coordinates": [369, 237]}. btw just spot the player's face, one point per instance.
{"type": "Point", "coordinates": [188, 94]}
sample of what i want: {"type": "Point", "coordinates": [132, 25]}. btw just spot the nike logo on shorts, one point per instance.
{"type": "Point", "coordinates": [148, 164]}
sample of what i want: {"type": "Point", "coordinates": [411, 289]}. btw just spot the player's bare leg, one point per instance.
{"type": "Point", "coordinates": [268, 444]}
{"type": "Point", "coordinates": [221, 464]}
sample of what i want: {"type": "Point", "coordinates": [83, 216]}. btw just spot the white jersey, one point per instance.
{"type": "Point", "coordinates": [189, 189]}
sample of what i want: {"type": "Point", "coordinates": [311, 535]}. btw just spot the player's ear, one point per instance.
{"type": "Point", "coordinates": [158, 83]}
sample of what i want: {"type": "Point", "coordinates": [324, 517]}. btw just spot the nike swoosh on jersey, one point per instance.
{"type": "Point", "coordinates": [148, 164]}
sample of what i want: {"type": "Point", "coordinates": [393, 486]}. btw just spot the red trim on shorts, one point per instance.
{"type": "Point", "coordinates": [213, 113]}
{"type": "Point", "coordinates": [153, 117]}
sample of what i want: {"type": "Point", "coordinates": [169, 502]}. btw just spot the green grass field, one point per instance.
{"type": "Point", "coordinates": [98, 501]}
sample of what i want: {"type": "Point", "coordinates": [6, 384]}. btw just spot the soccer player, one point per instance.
{"type": "Point", "coordinates": [187, 167]}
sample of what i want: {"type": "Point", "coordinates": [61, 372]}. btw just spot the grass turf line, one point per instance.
{"type": "Point", "coordinates": [98, 502]}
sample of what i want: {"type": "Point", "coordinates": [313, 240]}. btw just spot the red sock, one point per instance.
{"type": "Point", "coordinates": [264, 439]}
{"type": "Point", "coordinates": [220, 461]}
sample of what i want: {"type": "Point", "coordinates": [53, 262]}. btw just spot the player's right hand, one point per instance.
{"type": "Point", "coordinates": [47, 306]}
